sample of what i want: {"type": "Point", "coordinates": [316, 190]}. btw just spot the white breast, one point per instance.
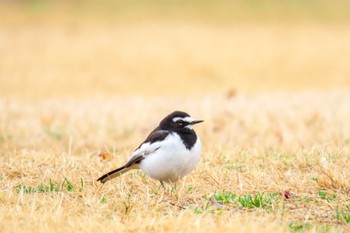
{"type": "Point", "coordinates": [172, 160]}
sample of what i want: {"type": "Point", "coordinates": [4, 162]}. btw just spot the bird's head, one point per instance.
{"type": "Point", "coordinates": [178, 120]}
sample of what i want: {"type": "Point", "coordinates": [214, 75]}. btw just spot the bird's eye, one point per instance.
{"type": "Point", "coordinates": [180, 122]}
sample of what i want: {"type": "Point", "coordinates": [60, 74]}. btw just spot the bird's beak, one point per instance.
{"type": "Point", "coordinates": [196, 122]}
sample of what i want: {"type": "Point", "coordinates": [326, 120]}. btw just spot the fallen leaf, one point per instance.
{"type": "Point", "coordinates": [105, 155]}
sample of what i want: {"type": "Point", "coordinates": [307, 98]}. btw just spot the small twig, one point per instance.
{"type": "Point", "coordinates": [215, 203]}
{"type": "Point", "coordinates": [174, 204]}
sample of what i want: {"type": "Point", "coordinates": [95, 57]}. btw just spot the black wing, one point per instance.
{"type": "Point", "coordinates": [147, 147]}
{"type": "Point", "coordinates": [155, 136]}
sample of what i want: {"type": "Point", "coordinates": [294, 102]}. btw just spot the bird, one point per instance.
{"type": "Point", "coordinates": [170, 152]}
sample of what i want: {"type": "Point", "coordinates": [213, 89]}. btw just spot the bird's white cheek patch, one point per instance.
{"type": "Point", "coordinates": [189, 127]}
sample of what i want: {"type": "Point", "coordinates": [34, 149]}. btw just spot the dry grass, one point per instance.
{"type": "Point", "coordinates": [269, 143]}
{"type": "Point", "coordinates": [71, 89]}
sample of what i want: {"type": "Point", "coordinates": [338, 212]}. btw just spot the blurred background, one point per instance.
{"type": "Point", "coordinates": [158, 48]}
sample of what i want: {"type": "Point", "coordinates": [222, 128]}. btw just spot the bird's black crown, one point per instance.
{"type": "Point", "coordinates": [169, 123]}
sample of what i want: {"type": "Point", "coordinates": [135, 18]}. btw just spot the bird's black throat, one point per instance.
{"type": "Point", "coordinates": [188, 137]}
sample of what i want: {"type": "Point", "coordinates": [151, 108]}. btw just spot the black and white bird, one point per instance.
{"type": "Point", "coordinates": [170, 152]}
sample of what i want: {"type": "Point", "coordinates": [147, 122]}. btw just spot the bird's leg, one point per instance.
{"type": "Point", "coordinates": [170, 190]}
{"type": "Point", "coordinates": [162, 184]}
{"type": "Point", "coordinates": [173, 187]}
{"type": "Point", "coordinates": [165, 189]}
{"type": "Point", "coordinates": [159, 192]}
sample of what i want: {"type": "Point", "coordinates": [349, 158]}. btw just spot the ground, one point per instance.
{"type": "Point", "coordinates": [79, 94]}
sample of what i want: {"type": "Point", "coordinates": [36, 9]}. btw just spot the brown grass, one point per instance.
{"type": "Point", "coordinates": [269, 143]}
{"type": "Point", "coordinates": [274, 97]}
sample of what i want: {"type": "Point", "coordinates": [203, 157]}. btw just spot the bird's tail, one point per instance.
{"type": "Point", "coordinates": [113, 174]}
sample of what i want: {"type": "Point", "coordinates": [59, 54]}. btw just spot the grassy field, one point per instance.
{"type": "Point", "coordinates": [271, 82]}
